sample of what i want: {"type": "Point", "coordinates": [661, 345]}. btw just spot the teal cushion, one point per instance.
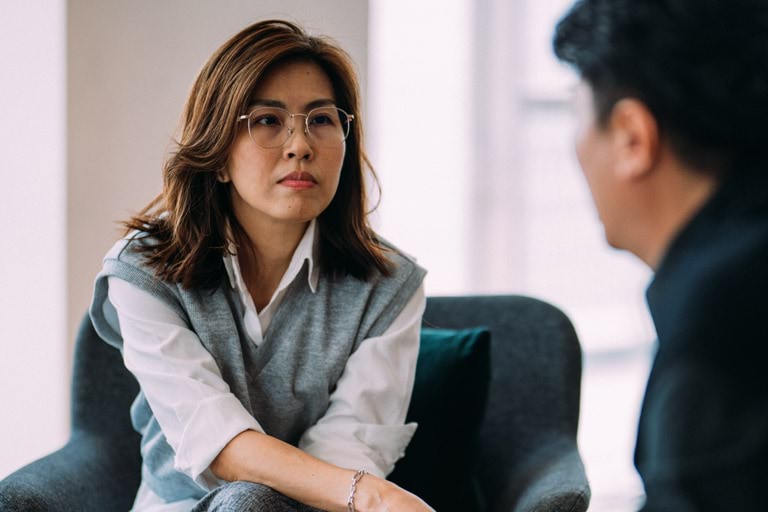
{"type": "Point", "coordinates": [449, 397]}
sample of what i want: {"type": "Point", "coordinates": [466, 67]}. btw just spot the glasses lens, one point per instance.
{"type": "Point", "coordinates": [328, 126]}
{"type": "Point", "coordinates": [269, 126]}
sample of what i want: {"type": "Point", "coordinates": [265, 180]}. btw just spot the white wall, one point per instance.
{"type": "Point", "coordinates": [419, 133]}
{"type": "Point", "coordinates": [128, 66]}
{"type": "Point", "coordinates": [33, 366]}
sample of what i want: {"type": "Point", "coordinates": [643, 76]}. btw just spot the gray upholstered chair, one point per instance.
{"type": "Point", "coordinates": [527, 459]}
{"type": "Point", "coordinates": [527, 454]}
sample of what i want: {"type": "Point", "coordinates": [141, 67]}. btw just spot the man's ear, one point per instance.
{"type": "Point", "coordinates": [636, 137]}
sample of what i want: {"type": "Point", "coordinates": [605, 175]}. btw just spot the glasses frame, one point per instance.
{"type": "Point", "coordinates": [291, 128]}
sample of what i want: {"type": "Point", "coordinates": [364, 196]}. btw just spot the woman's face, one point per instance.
{"type": "Point", "coordinates": [293, 183]}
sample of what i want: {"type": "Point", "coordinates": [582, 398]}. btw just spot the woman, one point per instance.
{"type": "Point", "coordinates": [273, 335]}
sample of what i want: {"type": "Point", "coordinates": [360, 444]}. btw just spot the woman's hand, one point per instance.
{"type": "Point", "coordinates": [378, 495]}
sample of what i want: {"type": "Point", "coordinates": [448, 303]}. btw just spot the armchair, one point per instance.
{"type": "Point", "coordinates": [527, 457]}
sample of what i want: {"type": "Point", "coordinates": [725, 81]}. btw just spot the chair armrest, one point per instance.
{"type": "Point", "coordinates": [84, 475]}
{"type": "Point", "coordinates": [556, 484]}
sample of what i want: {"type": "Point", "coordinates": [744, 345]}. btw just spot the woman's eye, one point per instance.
{"type": "Point", "coordinates": [266, 120]}
{"type": "Point", "coordinates": [322, 120]}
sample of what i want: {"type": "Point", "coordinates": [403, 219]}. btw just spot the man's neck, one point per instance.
{"type": "Point", "coordinates": [677, 196]}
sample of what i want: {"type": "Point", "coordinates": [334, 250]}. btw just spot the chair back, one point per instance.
{"type": "Point", "coordinates": [102, 393]}
{"type": "Point", "coordinates": [533, 399]}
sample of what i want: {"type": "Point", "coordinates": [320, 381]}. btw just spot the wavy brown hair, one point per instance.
{"type": "Point", "coordinates": [186, 225]}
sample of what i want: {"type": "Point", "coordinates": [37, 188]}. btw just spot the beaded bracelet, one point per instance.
{"type": "Point", "coordinates": [353, 487]}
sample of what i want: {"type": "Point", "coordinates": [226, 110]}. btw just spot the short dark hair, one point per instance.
{"type": "Point", "coordinates": [188, 220]}
{"type": "Point", "coordinates": [701, 67]}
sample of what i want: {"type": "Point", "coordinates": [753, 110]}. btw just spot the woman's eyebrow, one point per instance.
{"type": "Point", "coordinates": [319, 103]}
{"type": "Point", "coordinates": [261, 102]}
{"type": "Point", "coordinates": [267, 103]}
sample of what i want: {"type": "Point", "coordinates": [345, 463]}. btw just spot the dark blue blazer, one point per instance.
{"type": "Point", "coordinates": [703, 435]}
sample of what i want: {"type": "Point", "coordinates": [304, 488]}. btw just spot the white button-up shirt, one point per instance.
{"type": "Point", "coordinates": [363, 427]}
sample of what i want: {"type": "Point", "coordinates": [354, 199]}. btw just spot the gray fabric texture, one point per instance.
{"type": "Point", "coordinates": [532, 415]}
{"type": "Point", "coordinates": [285, 382]}
{"type": "Point", "coordinates": [249, 497]}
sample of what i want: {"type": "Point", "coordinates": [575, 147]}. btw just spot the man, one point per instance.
{"type": "Point", "coordinates": [672, 134]}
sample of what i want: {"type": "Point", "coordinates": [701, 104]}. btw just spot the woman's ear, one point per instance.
{"type": "Point", "coordinates": [223, 176]}
{"type": "Point", "coordinates": [636, 138]}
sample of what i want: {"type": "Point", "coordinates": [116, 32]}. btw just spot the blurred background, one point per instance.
{"type": "Point", "coordinates": [468, 123]}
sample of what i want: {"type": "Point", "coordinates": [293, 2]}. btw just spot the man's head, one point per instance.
{"type": "Point", "coordinates": [673, 100]}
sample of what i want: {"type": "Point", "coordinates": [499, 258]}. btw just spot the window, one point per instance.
{"type": "Point", "coordinates": [471, 132]}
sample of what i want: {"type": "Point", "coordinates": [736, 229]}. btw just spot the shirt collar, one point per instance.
{"type": "Point", "coordinates": [307, 250]}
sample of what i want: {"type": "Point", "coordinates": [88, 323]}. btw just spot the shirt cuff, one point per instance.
{"type": "Point", "coordinates": [209, 426]}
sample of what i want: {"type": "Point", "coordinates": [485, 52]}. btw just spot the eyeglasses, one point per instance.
{"type": "Point", "coordinates": [271, 127]}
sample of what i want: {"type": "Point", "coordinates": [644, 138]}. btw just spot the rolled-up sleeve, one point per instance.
{"type": "Point", "coordinates": [180, 379]}
{"type": "Point", "coordinates": [364, 427]}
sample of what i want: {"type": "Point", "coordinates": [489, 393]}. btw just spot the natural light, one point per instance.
{"type": "Point", "coordinates": [470, 131]}
{"type": "Point", "coordinates": [468, 124]}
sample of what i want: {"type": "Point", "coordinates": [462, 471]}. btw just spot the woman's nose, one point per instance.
{"type": "Point", "coordinates": [298, 144]}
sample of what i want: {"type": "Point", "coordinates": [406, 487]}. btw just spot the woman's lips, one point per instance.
{"type": "Point", "coordinates": [298, 180]}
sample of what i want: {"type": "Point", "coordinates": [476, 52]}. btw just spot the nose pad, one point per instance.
{"type": "Point", "coordinates": [296, 146]}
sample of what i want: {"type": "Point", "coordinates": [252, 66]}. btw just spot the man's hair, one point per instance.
{"type": "Point", "coordinates": [188, 222]}
{"type": "Point", "coordinates": [701, 67]}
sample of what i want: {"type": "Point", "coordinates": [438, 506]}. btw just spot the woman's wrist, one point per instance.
{"type": "Point", "coordinates": [370, 491]}
{"type": "Point", "coordinates": [359, 474]}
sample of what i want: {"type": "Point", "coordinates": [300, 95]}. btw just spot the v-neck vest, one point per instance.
{"type": "Point", "coordinates": [285, 382]}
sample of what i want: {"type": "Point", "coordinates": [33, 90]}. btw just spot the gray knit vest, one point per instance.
{"type": "Point", "coordinates": [285, 382]}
